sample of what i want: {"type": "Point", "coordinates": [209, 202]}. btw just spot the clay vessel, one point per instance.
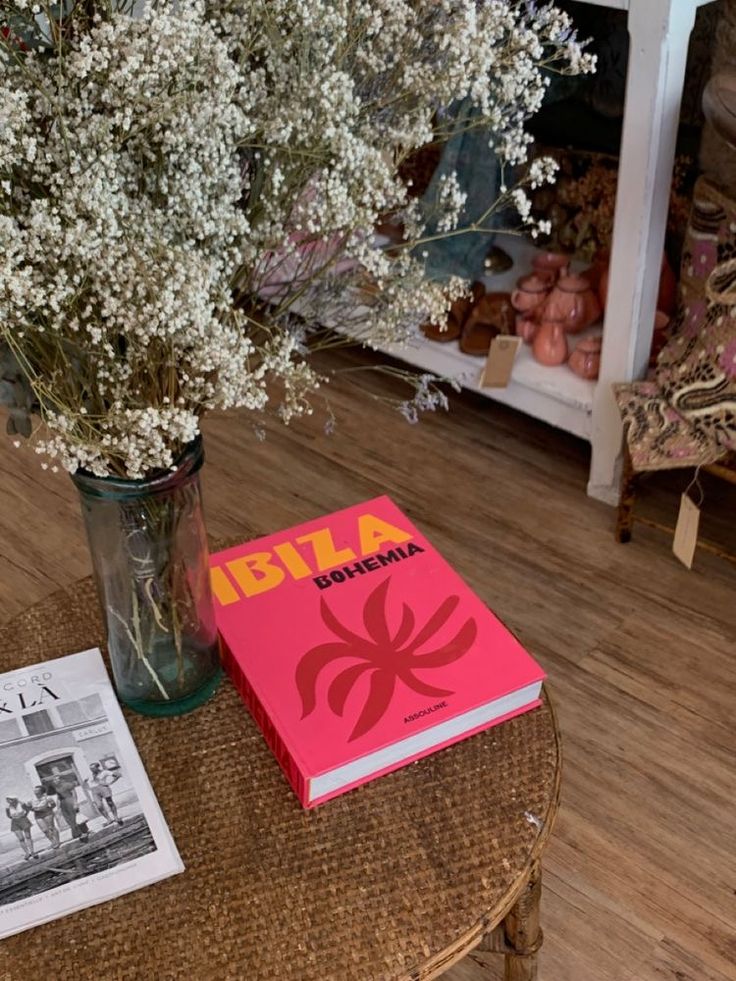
{"type": "Point", "coordinates": [574, 303]}
{"type": "Point", "coordinates": [550, 343]}
{"type": "Point", "coordinates": [585, 360]}
{"type": "Point", "coordinates": [659, 337]}
{"type": "Point", "coordinates": [549, 266]}
{"type": "Point", "coordinates": [526, 328]}
{"type": "Point", "coordinates": [530, 294]}
{"type": "Point", "coordinates": [596, 270]}
{"type": "Point", "coordinates": [667, 295]}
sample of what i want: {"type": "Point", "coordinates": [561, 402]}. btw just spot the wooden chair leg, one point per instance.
{"type": "Point", "coordinates": [523, 933]}
{"type": "Point", "coordinates": [626, 501]}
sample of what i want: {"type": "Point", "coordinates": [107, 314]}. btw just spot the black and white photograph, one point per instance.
{"type": "Point", "coordinates": [69, 808]}
{"type": "Point", "coordinates": [79, 821]}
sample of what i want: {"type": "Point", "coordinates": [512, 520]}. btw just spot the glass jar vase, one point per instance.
{"type": "Point", "coordinates": [151, 564]}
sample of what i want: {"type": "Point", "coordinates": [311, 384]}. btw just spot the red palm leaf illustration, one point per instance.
{"type": "Point", "coordinates": [379, 699]}
{"type": "Point", "coordinates": [434, 624]}
{"type": "Point", "coordinates": [422, 688]}
{"type": "Point", "coordinates": [374, 614]}
{"type": "Point", "coordinates": [309, 668]}
{"type": "Point", "coordinates": [449, 652]}
{"type": "Point", "coordinates": [342, 685]}
{"type": "Point", "coordinates": [388, 659]}
{"type": "Point", "coordinates": [338, 629]}
{"type": "Point", "coordinates": [405, 627]}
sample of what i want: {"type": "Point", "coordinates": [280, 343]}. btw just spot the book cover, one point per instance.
{"type": "Point", "coordinates": [357, 647]}
{"type": "Point", "coordinates": [79, 821]}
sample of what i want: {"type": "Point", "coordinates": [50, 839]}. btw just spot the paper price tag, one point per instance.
{"type": "Point", "coordinates": [500, 361]}
{"type": "Point", "coordinates": [686, 532]}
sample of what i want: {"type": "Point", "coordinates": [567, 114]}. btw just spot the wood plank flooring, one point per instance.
{"type": "Point", "coordinates": [640, 877]}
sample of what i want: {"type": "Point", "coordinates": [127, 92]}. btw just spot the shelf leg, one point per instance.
{"type": "Point", "coordinates": [659, 33]}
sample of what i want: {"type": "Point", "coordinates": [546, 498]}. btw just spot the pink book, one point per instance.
{"type": "Point", "coordinates": [358, 649]}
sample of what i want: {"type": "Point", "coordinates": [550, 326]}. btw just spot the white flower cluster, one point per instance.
{"type": "Point", "coordinates": [184, 188]}
{"type": "Point", "coordinates": [428, 397]}
{"type": "Point", "coordinates": [452, 200]}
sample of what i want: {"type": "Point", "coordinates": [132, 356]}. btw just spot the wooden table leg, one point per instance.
{"type": "Point", "coordinates": [624, 515]}
{"type": "Point", "coordinates": [523, 933]}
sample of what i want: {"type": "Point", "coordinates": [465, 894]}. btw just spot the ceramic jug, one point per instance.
{"type": "Point", "coordinates": [585, 360]}
{"type": "Point", "coordinates": [574, 303]}
{"type": "Point", "coordinates": [526, 328]}
{"type": "Point", "coordinates": [550, 343]}
{"type": "Point", "coordinates": [530, 294]}
{"type": "Point", "coordinates": [549, 266]}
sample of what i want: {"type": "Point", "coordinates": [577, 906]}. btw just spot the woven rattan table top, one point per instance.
{"type": "Point", "coordinates": [390, 881]}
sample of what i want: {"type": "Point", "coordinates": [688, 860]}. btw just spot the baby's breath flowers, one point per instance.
{"type": "Point", "coordinates": [188, 193]}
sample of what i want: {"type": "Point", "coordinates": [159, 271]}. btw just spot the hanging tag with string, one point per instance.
{"type": "Point", "coordinates": [688, 523]}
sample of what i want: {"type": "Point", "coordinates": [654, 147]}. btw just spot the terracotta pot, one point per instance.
{"type": "Point", "coordinates": [667, 296]}
{"type": "Point", "coordinates": [594, 272]}
{"type": "Point", "coordinates": [530, 294]}
{"type": "Point", "coordinates": [549, 266]}
{"type": "Point", "coordinates": [659, 337]}
{"type": "Point", "coordinates": [574, 303]}
{"type": "Point", "coordinates": [550, 343]}
{"type": "Point", "coordinates": [526, 328]}
{"type": "Point", "coordinates": [585, 360]}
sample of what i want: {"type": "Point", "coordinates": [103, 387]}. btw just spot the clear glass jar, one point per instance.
{"type": "Point", "coordinates": [151, 563]}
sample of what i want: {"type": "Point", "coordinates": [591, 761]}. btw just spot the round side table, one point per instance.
{"type": "Point", "coordinates": [395, 881]}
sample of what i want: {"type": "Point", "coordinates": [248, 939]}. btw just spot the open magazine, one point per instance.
{"type": "Point", "coordinates": [79, 822]}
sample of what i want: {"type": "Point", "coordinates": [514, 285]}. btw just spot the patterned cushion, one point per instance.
{"type": "Point", "coordinates": [686, 415]}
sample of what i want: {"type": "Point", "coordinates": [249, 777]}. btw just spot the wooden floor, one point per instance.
{"type": "Point", "coordinates": [641, 874]}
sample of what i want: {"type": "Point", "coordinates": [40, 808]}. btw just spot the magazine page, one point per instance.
{"type": "Point", "coordinates": [79, 821]}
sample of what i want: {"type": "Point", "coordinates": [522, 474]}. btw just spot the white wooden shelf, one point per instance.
{"type": "Point", "coordinates": [659, 32]}
{"type": "Point", "coordinates": [556, 395]}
